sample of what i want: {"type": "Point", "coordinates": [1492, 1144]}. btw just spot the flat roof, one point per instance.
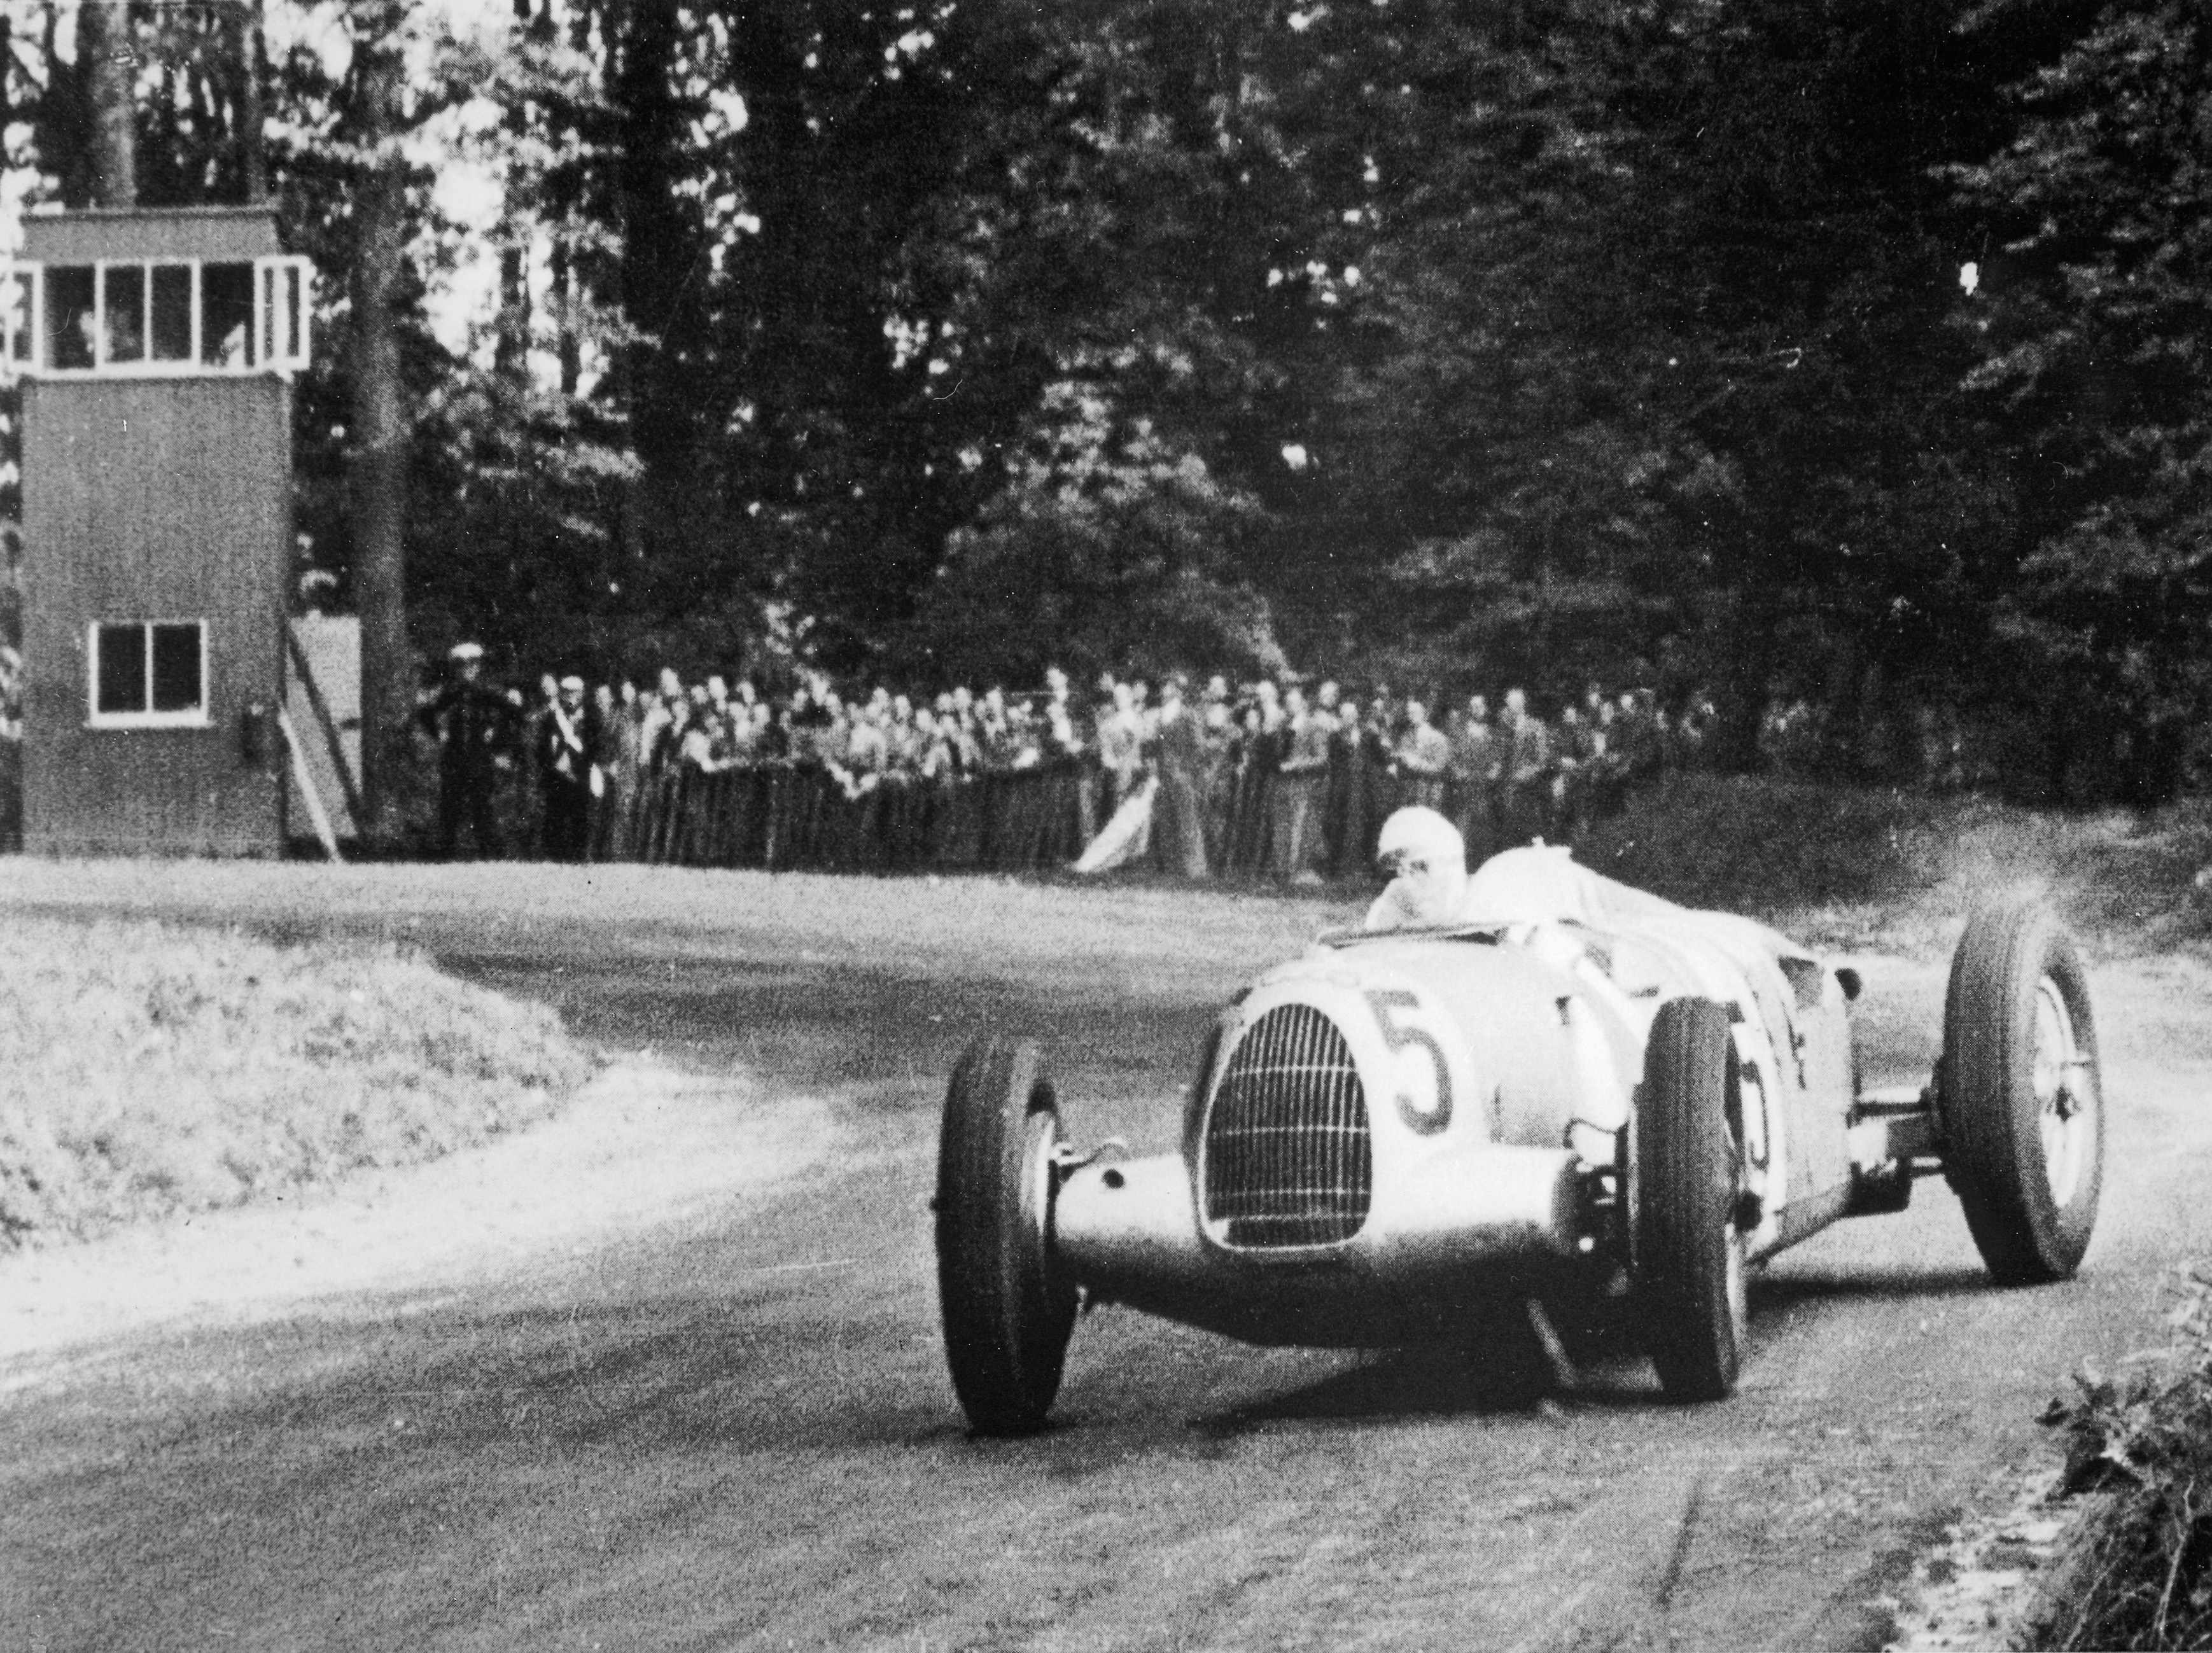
{"type": "Point", "coordinates": [79, 236]}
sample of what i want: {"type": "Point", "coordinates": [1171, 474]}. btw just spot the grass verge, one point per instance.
{"type": "Point", "coordinates": [147, 1069]}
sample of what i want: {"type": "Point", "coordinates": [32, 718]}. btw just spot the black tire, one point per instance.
{"type": "Point", "coordinates": [2020, 1094]}
{"type": "Point", "coordinates": [1687, 1277]}
{"type": "Point", "coordinates": [1007, 1317]}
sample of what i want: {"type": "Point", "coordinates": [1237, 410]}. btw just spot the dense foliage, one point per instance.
{"type": "Point", "coordinates": [1534, 340]}
{"type": "Point", "coordinates": [2091, 365]}
{"type": "Point", "coordinates": [2144, 1439]}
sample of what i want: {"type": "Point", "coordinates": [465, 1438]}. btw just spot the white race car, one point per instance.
{"type": "Point", "coordinates": [1592, 1100]}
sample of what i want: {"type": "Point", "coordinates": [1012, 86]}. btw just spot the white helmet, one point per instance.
{"type": "Point", "coordinates": [1427, 859]}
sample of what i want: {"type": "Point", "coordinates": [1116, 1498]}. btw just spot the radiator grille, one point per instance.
{"type": "Point", "coordinates": [1287, 1159]}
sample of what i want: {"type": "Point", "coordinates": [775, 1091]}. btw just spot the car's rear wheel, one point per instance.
{"type": "Point", "coordinates": [1007, 1316]}
{"type": "Point", "coordinates": [1687, 1277]}
{"type": "Point", "coordinates": [2019, 1095]}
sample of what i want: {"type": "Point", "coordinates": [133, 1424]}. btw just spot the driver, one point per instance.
{"type": "Point", "coordinates": [1427, 859]}
{"type": "Point", "coordinates": [1537, 896]}
{"type": "Point", "coordinates": [1536, 884]}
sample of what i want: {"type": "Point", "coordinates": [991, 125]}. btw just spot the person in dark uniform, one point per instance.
{"type": "Point", "coordinates": [474, 726]}
{"type": "Point", "coordinates": [1528, 772]}
{"type": "Point", "coordinates": [1423, 759]}
{"type": "Point", "coordinates": [1294, 825]}
{"type": "Point", "coordinates": [1356, 756]}
{"type": "Point", "coordinates": [1575, 760]}
{"type": "Point", "coordinates": [1179, 760]}
{"type": "Point", "coordinates": [568, 734]}
{"type": "Point", "coordinates": [1477, 764]}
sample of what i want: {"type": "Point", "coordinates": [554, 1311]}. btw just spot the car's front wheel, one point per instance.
{"type": "Point", "coordinates": [1687, 1277]}
{"type": "Point", "coordinates": [2019, 1095]}
{"type": "Point", "coordinates": [1007, 1314]}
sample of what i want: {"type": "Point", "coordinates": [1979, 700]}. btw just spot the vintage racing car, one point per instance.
{"type": "Point", "coordinates": [1578, 1095]}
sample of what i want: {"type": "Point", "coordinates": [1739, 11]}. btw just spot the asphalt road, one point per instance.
{"type": "Point", "coordinates": [734, 1431]}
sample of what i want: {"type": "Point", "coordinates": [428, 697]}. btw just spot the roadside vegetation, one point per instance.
{"type": "Point", "coordinates": [1900, 871]}
{"type": "Point", "coordinates": [2142, 1578]}
{"type": "Point", "coordinates": [147, 1069]}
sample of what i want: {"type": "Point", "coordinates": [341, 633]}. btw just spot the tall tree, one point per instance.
{"type": "Point", "coordinates": [248, 57]}
{"type": "Point", "coordinates": [381, 424]}
{"type": "Point", "coordinates": [1797, 257]}
{"type": "Point", "coordinates": [2091, 318]}
{"type": "Point", "coordinates": [661, 251]}
{"type": "Point", "coordinates": [107, 63]}
{"type": "Point", "coordinates": [1477, 348]}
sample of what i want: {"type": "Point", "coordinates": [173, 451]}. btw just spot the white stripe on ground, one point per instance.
{"type": "Point", "coordinates": [639, 1147]}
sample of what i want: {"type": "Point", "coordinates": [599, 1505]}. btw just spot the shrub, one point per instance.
{"type": "Point", "coordinates": [2148, 1441]}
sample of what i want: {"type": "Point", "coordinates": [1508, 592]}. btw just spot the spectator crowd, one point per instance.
{"type": "Point", "coordinates": [1276, 778]}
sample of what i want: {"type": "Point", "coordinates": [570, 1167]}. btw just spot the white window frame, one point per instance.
{"type": "Point", "coordinates": [25, 349]}
{"type": "Point", "coordinates": [196, 718]}
{"type": "Point", "coordinates": [271, 276]}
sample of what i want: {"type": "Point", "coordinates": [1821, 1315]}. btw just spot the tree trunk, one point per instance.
{"type": "Point", "coordinates": [566, 302]}
{"type": "Point", "coordinates": [655, 271]}
{"type": "Point", "coordinates": [109, 61]}
{"type": "Point", "coordinates": [512, 350]}
{"type": "Point", "coordinates": [378, 477]}
{"type": "Point", "coordinates": [248, 52]}
{"type": "Point", "coordinates": [658, 253]}
{"type": "Point", "coordinates": [58, 121]}
{"type": "Point", "coordinates": [2058, 747]}
{"type": "Point", "coordinates": [1740, 697]}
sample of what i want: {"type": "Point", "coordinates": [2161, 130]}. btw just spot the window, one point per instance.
{"type": "Point", "coordinates": [227, 315]}
{"type": "Point", "coordinates": [148, 674]}
{"type": "Point", "coordinates": [131, 317]}
{"type": "Point", "coordinates": [123, 310]}
{"type": "Point", "coordinates": [68, 292]}
{"type": "Point", "coordinates": [172, 310]}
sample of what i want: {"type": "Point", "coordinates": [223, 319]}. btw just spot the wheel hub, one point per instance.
{"type": "Point", "coordinates": [2064, 1092]}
